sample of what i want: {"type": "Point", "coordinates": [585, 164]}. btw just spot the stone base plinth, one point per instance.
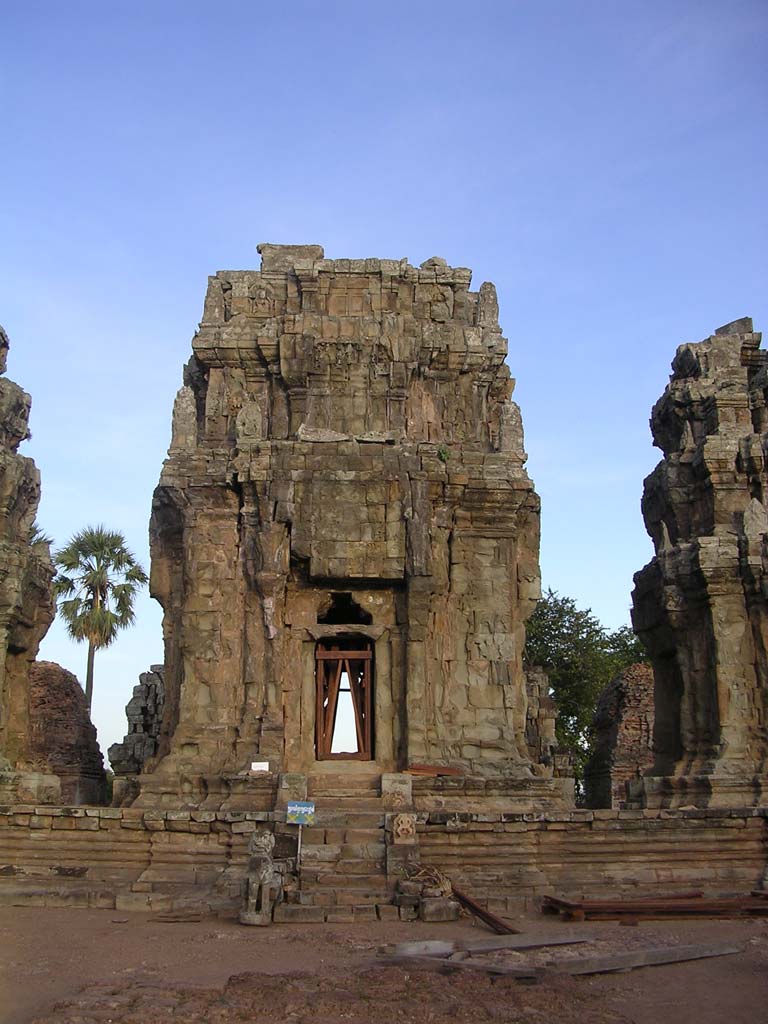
{"type": "Point", "coordinates": [29, 788]}
{"type": "Point", "coordinates": [498, 795]}
{"type": "Point", "coordinates": [240, 792]}
{"type": "Point", "coordinates": [674, 791]}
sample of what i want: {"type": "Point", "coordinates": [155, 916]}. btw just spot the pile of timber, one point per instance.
{"type": "Point", "coordinates": [658, 908]}
{"type": "Point", "coordinates": [466, 955]}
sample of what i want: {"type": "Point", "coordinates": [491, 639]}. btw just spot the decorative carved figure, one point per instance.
{"type": "Point", "coordinates": [258, 897]}
{"type": "Point", "coordinates": [404, 829]}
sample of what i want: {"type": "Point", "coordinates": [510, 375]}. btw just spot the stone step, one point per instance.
{"type": "Point", "coordinates": [344, 784]}
{"type": "Point", "coordinates": [334, 816]}
{"type": "Point", "coordinates": [353, 806]}
{"type": "Point", "coordinates": [318, 836]}
{"type": "Point", "coordinates": [330, 898]}
{"type": "Point", "coordinates": [329, 852]}
{"type": "Point", "coordinates": [341, 870]}
{"type": "Point", "coordinates": [332, 880]}
{"type": "Point", "coordinates": [289, 913]}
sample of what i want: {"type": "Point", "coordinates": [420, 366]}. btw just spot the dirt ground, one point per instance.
{"type": "Point", "coordinates": [89, 966]}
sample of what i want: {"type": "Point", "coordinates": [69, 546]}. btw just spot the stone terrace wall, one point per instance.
{"type": "Point", "coordinates": [133, 859]}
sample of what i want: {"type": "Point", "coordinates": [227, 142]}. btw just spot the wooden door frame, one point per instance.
{"type": "Point", "coordinates": [331, 660]}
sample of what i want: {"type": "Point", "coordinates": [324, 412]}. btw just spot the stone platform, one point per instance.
{"type": "Point", "coordinates": [135, 859]}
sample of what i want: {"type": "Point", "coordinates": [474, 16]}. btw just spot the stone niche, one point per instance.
{"type": "Point", "coordinates": [26, 600]}
{"type": "Point", "coordinates": [344, 520]}
{"type": "Point", "coordinates": [700, 604]}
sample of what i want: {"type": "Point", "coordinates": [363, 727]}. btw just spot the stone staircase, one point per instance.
{"type": "Point", "coordinates": [343, 873]}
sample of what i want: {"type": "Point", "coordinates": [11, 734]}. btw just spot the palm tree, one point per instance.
{"type": "Point", "coordinates": [97, 581]}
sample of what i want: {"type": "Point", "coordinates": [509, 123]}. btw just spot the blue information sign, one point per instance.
{"type": "Point", "coordinates": [300, 812]}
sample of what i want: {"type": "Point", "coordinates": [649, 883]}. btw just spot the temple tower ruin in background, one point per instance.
{"type": "Point", "coordinates": [701, 604]}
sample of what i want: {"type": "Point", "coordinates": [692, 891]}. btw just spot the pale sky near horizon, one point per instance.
{"type": "Point", "coordinates": [602, 162]}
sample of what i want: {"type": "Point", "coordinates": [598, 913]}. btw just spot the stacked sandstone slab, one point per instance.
{"type": "Point", "coordinates": [700, 605]}
{"type": "Point", "coordinates": [623, 729]}
{"type": "Point", "coordinates": [26, 601]}
{"type": "Point", "coordinates": [144, 712]}
{"type": "Point", "coordinates": [345, 427]}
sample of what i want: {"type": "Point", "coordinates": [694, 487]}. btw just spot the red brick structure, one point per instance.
{"type": "Point", "coordinates": [63, 740]}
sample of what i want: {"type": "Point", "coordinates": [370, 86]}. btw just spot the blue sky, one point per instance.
{"type": "Point", "coordinates": [602, 162]}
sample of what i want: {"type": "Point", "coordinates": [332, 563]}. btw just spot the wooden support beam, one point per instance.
{"type": "Point", "coordinates": [494, 923]}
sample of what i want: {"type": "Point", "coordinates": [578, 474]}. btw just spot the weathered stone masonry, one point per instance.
{"type": "Point", "coordinates": [26, 601]}
{"type": "Point", "coordinates": [346, 471]}
{"type": "Point", "coordinates": [135, 859]}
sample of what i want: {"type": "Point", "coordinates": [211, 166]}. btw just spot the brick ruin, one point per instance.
{"type": "Point", "coordinates": [62, 736]}
{"type": "Point", "coordinates": [623, 730]}
{"type": "Point", "coordinates": [700, 604]}
{"type": "Point", "coordinates": [345, 517]}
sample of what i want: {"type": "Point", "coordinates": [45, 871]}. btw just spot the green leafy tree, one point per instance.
{"type": "Point", "coordinates": [97, 582]}
{"type": "Point", "coordinates": [581, 657]}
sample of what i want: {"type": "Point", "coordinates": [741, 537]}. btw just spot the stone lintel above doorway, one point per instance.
{"type": "Point", "coordinates": [328, 632]}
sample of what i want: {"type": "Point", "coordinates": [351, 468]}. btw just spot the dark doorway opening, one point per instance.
{"type": "Point", "coordinates": [344, 611]}
{"type": "Point", "coordinates": [344, 715]}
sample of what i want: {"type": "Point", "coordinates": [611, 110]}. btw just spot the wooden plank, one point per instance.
{"type": "Point", "coordinates": [624, 901]}
{"type": "Point", "coordinates": [323, 655]}
{"type": "Point", "coordinates": [642, 958]}
{"type": "Point", "coordinates": [494, 923]}
{"type": "Point", "coordinates": [656, 908]}
{"type": "Point", "coordinates": [429, 963]}
{"type": "Point", "coordinates": [333, 701]}
{"type": "Point", "coordinates": [358, 711]}
{"type": "Point", "coordinates": [516, 942]}
{"type": "Point", "coordinates": [368, 707]}
{"type": "Point", "coordinates": [432, 770]}
{"type": "Point", "coordinates": [445, 947]}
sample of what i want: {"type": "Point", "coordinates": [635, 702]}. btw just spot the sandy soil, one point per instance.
{"type": "Point", "coordinates": [89, 966]}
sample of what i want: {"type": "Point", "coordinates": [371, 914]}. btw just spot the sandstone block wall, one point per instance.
{"type": "Point", "coordinates": [623, 727]}
{"type": "Point", "coordinates": [700, 604]}
{"type": "Point", "coordinates": [26, 601]}
{"type": "Point", "coordinates": [135, 859]}
{"type": "Point", "coordinates": [345, 428]}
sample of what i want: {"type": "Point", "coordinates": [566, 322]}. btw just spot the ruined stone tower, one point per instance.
{"type": "Point", "coordinates": [701, 604]}
{"type": "Point", "coordinates": [26, 600]}
{"type": "Point", "coordinates": [344, 518]}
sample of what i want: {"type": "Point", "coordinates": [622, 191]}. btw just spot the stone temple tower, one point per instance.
{"type": "Point", "coordinates": [344, 532]}
{"type": "Point", "coordinates": [700, 604]}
